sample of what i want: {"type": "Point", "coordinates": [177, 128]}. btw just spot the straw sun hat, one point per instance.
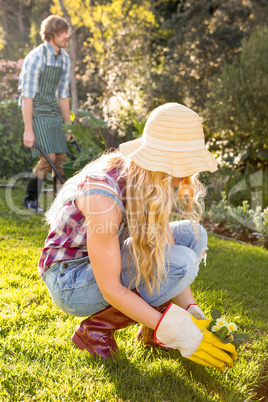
{"type": "Point", "coordinates": [172, 142]}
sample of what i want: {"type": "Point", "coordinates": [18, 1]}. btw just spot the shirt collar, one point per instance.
{"type": "Point", "coordinates": [51, 49]}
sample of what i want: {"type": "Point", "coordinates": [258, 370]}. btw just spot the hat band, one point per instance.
{"type": "Point", "coordinates": [166, 145]}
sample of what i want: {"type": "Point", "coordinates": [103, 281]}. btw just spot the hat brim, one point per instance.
{"type": "Point", "coordinates": [174, 163]}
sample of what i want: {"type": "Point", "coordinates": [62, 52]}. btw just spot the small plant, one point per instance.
{"type": "Point", "coordinates": [219, 210]}
{"type": "Point", "coordinates": [241, 219]}
{"type": "Point", "coordinates": [87, 130]}
{"type": "Point", "coordinates": [226, 331]}
{"type": "Point", "coordinates": [139, 127]}
{"type": "Point", "coordinates": [261, 223]}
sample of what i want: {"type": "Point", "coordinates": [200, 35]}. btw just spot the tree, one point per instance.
{"type": "Point", "coordinates": [203, 36]}
{"type": "Point", "coordinates": [237, 106]}
{"type": "Point", "coordinates": [73, 49]}
{"type": "Point", "coordinates": [116, 61]}
{"type": "Point", "coordinates": [21, 21]}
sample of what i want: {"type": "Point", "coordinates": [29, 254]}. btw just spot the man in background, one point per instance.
{"type": "Point", "coordinates": [44, 86]}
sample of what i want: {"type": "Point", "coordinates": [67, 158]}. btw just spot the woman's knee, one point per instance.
{"type": "Point", "coordinates": [182, 264]}
{"type": "Point", "coordinates": [202, 237]}
{"type": "Point", "coordinates": [189, 234]}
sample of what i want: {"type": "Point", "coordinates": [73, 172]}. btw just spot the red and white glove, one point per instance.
{"type": "Point", "coordinates": [196, 312]}
{"type": "Point", "coordinates": [178, 329]}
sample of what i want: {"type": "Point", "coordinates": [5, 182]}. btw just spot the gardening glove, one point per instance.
{"type": "Point", "coordinates": [204, 324]}
{"type": "Point", "coordinates": [196, 311]}
{"type": "Point", "coordinates": [177, 329]}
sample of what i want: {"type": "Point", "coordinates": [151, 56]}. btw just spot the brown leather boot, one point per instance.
{"type": "Point", "coordinates": [146, 335]}
{"type": "Point", "coordinates": [96, 333]}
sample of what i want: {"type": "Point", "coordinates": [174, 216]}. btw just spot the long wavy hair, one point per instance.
{"type": "Point", "coordinates": [150, 198]}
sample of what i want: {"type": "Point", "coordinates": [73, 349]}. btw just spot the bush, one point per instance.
{"type": "Point", "coordinates": [14, 157]}
{"type": "Point", "coordinates": [9, 79]}
{"type": "Point", "coordinates": [236, 110]}
{"type": "Point", "coordinates": [87, 130]}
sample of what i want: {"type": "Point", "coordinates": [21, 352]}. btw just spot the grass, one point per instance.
{"type": "Point", "coordinates": [38, 361]}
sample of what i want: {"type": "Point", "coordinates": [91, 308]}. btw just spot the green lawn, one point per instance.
{"type": "Point", "coordinates": [38, 361]}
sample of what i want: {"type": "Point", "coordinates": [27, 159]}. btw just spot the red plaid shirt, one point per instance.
{"type": "Point", "coordinates": [67, 237]}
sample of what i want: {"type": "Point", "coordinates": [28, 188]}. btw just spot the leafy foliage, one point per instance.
{"type": "Point", "coordinates": [9, 76]}
{"type": "Point", "coordinates": [21, 24]}
{"type": "Point", "coordinates": [117, 62]}
{"type": "Point", "coordinates": [14, 157]}
{"type": "Point", "coordinates": [237, 106]}
{"type": "Point", "coordinates": [226, 331]}
{"type": "Point", "coordinates": [87, 130]}
{"type": "Point", "coordinates": [219, 210]}
{"type": "Point", "coordinates": [241, 219]}
{"type": "Point", "coordinates": [134, 56]}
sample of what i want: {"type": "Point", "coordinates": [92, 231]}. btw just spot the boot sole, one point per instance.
{"type": "Point", "coordinates": [81, 344]}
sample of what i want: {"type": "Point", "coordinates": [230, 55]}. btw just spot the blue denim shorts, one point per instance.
{"type": "Point", "coordinates": [73, 287]}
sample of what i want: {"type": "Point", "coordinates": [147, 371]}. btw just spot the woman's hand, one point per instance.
{"type": "Point", "coordinates": [177, 329]}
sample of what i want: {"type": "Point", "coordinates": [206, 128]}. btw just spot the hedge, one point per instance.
{"type": "Point", "coordinates": [14, 156]}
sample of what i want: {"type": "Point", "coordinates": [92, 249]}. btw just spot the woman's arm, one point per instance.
{"type": "Point", "coordinates": [103, 217]}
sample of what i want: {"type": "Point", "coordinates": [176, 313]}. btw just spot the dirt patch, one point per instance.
{"type": "Point", "coordinates": [221, 230]}
{"type": "Point", "coordinates": [261, 392]}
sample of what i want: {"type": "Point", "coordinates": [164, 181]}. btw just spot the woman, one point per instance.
{"type": "Point", "coordinates": [111, 253]}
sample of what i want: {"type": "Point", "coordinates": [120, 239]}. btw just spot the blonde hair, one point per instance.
{"type": "Point", "coordinates": [149, 201]}
{"type": "Point", "coordinates": [150, 198]}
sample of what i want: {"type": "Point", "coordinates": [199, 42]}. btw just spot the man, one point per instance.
{"type": "Point", "coordinates": [44, 85]}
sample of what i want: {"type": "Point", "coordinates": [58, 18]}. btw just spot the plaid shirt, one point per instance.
{"type": "Point", "coordinates": [34, 65]}
{"type": "Point", "coordinates": [67, 237]}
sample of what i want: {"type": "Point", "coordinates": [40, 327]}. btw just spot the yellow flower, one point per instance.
{"type": "Point", "coordinates": [220, 322]}
{"type": "Point", "coordinates": [232, 327]}
{"type": "Point", "coordinates": [215, 328]}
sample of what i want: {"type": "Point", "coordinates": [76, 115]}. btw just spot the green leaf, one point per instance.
{"type": "Point", "coordinates": [215, 314]}
{"type": "Point", "coordinates": [212, 323]}
{"type": "Point", "coordinates": [222, 334]}
{"type": "Point", "coordinates": [90, 118]}
{"type": "Point", "coordinates": [240, 338]}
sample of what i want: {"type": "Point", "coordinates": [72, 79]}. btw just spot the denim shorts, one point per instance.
{"type": "Point", "coordinates": [73, 287]}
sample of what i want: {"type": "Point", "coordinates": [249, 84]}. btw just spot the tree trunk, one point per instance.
{"type": "Point", "coordinates": [5, 25]}
{"type": "Point", "coordinates": [20, 17]}
{"type": "Point", "coordinates": [73, 47]}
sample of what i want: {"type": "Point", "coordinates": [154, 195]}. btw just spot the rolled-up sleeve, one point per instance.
{"type": "Point", "coordinates": [63, 88]}
{"type": "Point", "coordinates": [31, 69]}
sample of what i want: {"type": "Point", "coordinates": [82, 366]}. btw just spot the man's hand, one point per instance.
{"type": "Point", "coordinates": [28, 138]}
{"type": "Point", "coordinates": [69, 136]}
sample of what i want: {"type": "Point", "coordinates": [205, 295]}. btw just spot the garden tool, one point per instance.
{"type": "Point", "coordinates": [178, 329]}
{"type": "Point", "coordinates": [96, 333]}
{"type": "Point", "coordinates": [33, 191]}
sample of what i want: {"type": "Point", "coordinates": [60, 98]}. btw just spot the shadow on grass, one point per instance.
{"type": "Point", "coordinates": [151, 376]}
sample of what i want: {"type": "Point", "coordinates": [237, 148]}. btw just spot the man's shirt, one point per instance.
{"type": "Point", "coordinates": [34, 65]}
